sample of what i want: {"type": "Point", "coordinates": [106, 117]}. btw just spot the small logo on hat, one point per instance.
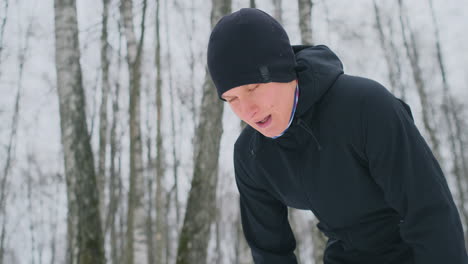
{"type": "Point", "coordinates": [265, 73]}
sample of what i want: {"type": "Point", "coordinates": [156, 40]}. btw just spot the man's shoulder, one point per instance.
{"type": "Point", "coordinates": [355, 92]}
{"type": "Point", "coordinates": [359, 85]}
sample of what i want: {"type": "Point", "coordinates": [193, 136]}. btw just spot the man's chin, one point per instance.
{"type": "Point", "coordinates": [268, 134]}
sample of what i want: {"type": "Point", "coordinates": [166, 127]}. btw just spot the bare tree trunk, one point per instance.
{"type": "Point", "coordinates": [193, 106]}
{"type": "Point", "coordinates": [305, 21]}
{"type": "Point", "coordinates": [149, 184]}
{"type": "Point", "coordinates": [101, 175]}
{"type": "Point", "coordinates": [242, 251]}
{"type": "Point", "coordinates": [392, 74]}
{"type": "Point", "coordinates": [252, 4]}
{"type": "Point", "coordinates": [161, 243]}
{"type": "Point", "coordinates": [114, 172]}
{"type": "Point", "coordinates": [78, 157]}
{"type": "Point", "coordinates": [201, 205]}
{"type": "Point", "coordinates": [319, 241]}
{"type": "Point", "coordinates": [122, 221]}
{"type": "Point", "coordinates": [297, 232]}
{"type": "Point", "coordinates": [2, 31]}
{"type": "Point", "coordinates": [218, 224]}
{"type": "Point", "coordinates": [72, 223]}
{"type": "Point", "coordinates": [53, 228]}
{"type": "Point", "coordinates": [113, 196]}
{"type": "Point", "coordinates": [455, 135]}
{"type": "Point", "coordinates": [136, 226]}
{"type": "Point", "coordinates": [175, 164]}
{"type": "Point", "coordinates": [168, 227]}
{"type": "Point", "coordinates": [413, 56]}
{"type": "Point", "coordinates": [2, 241]}
{"type": "Point", "coordinates": [277, 12]}
{"type": "Point", "coordinates": [30, 208]}
{"type": "Point", "coordinates": [11, 146]}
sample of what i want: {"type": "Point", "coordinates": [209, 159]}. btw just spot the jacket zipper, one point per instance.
{"type": "Point", "coordinates": [304, 125]}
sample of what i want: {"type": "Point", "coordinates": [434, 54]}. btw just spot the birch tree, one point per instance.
{"type": "Point", "coordinates": [277, 11]}
{"type": "Point", "coordinates": [114, 195]}
{"type": "Point", "coordinates": [162, 243]}
{"type": "Point", "coordinates": [78, 157]}
{"type": "Point", "coordinates": [6, 171]}
{"type": "Point", "coordinates": [390, 52]}
{"type": "Point", "coordinates": [412, 53]}
{"type": "Point", "coordinates": [305, 21]}
{"type": "Point", "coordinates": [241, 249]}
{"type": "Point", "coordinates": [101, 174]}
{"type": "Point", "coordinates": [201, 205]}
{"type": "Point", "coordinates": [3, 23]}
{"type": "Point", "coordinates": [135, 211]}
{"type": "Point", "coordinates": [452, 117]}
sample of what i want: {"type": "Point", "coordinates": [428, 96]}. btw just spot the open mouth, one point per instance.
{"type": "Point", "coordinates": [265, 122]}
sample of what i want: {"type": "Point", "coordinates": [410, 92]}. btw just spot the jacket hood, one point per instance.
{"type": "Point", "coordinates": [317, 69]}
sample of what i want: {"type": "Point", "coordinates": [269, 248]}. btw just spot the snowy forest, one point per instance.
{"type": "Point", "coordinates": [114, 147]}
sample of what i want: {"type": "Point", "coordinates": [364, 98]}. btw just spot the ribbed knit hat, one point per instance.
{"type": "Point", "coordinates": [249, 46]}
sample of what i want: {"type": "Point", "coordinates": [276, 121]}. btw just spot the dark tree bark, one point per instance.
{"type": "Point", "coordinates": [78, 157]}
{"type": "Point", "coordinates": [201, 206]}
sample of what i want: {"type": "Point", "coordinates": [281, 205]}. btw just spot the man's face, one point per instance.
{"type": "Point", "coordinates": [266, 107]}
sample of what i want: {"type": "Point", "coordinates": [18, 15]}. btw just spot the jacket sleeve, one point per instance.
{"type": "Point", "coordinates": [264, 221]}
{"type": "Point", "coordinates": [413, 183]}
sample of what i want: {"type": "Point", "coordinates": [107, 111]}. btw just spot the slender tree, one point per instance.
{"type": "Point", "coordinates": [241, 249]}
{"type": "Point", "coordinates": [305, 21]}
{"type": "Point", "coordinates": [3, 24]}
{"type": "Point", "coordinates": [136, 225]}
{"type": "Point", "coordinates": [412, 53]}
{"type": "Point", "coordinates": [319, 241]}
{"type": "Point", "coordinates": [78, 156]}
{"type": "Point", "coordinates": [114, 196]}
{"type": "Point", "coordinates": [393, 76]}
{"type": "Point", "coordinates": [452, 117]}
{"type": "Point", "coordinates": [29, 186]}
{"type": "Point", "coordinates": [150, 186]}
{"type": "Point", "coordinates": [11, 145]}
{"type": "Point", "coordinates": [101, 174]}
{"type": "Point", "coordinates": [201, 206]}
{"type": "Point", "coordinates": [161, 242]}
{"type": "Point", "coordinates": [277, 11]}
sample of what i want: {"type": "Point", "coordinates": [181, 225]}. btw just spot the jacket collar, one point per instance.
{"type": "Point", "coordinates": [317, 70]}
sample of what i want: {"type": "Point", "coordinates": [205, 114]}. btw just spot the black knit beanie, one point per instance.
{"type": "Point", "coordinates": [249, 46]}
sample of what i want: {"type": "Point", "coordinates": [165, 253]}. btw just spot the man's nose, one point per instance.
{"type": "Point", "coordinates": [249, 108]}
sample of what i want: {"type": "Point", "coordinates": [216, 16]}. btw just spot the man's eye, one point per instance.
{"type": "Point", "coordinates": [232, 100]}
{"type": "Point", "coordinates": [253, 88]}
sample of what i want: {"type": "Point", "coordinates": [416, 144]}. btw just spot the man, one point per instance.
{"type": "Point", "coordinates": [341, 146]}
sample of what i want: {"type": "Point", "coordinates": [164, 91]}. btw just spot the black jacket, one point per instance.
{"type": "Point", "coordinates": [354, 157]}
